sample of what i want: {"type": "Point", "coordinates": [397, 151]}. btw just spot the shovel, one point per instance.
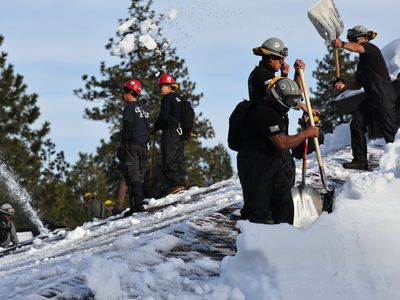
{"type": "Point", "coordinates": [306, 199]}
{"type": "Point", "coordinates": [329, 196]}
{"type": "Point", "coordinates": [326, 19]}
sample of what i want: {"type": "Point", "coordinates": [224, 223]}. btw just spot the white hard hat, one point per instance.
{"type": "Point", "coordinates": [7, 209]}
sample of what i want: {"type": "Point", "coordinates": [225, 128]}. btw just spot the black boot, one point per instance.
{"type": "Point", "coordinates": [356, 164]}
{"type": "Point", "coordinates": [137, 197]}
{"type": "Point", "coordinates": [128, 213]}
{"type": "Point", "coordinates": [139, 209]}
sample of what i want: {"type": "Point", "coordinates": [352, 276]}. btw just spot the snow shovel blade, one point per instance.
{"type": "Point", "coordinates": [326, 19]}
{"type": "Point", "coordinates": [307, 205]}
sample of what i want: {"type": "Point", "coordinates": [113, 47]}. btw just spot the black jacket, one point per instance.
{"type": "Point", "coordinates": [257, 79]}
{"type": "Point", "coordinates": [171, 111]}
{"type": "Point", "coordinates": [135, 124]}
{"type": "Point", "coordinates": [373, 75]}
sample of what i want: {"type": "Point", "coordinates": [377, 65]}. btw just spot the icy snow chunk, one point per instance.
{"type": "Point", "coordinates": [37, 242]}
{"type": "Point", "coordinates": [103, 280]}
{"type": "Point", "coordinates": [148, 279]}
{"type": "Point", "coordinates": [77, 233]}
{"type": "Point", "coordinates": [208, 264]}
{"type": "Point", "coordinates": [125, 46]}
{"type": "Point", "coordinates": [339, 139]}
{"type": "Point", "coordinates": [357, 185]}
{"type": "Point", "coordinates": [172, 14]}
{"type": "Point", "coordinates": [134, 221]}
{"type": "Point", "coordinates": [168, 271]}
{"type": "Point", "coordinates": [148, 42]}
{"type": "Point", "coordinates": [147, 27]}
{"type": "Point", "coordinates": [124, 27]}
{"type": "Point", "coordinates": [124, 242]}
{"type": "Point", "coordinates": [390, 160]}
{"type": "Point", "coordinates": [166, 243]}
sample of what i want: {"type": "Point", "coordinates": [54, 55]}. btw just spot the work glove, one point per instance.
{"type": "Point", "coordinates": [338, 80]}
{"type": "Point", "coordinates": [285, 69]}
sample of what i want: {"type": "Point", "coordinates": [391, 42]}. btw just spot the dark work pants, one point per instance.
{"type": "Point", "coordinates": [289, 167]}
{"type": "Point", "coordinates": [358, 128]}
{"type": "Point", "coordinates": [133, 169]}
{"type": "Point", "coordinates": [173, 157]}
{"type": "Point", "coordinates": [265, 186]}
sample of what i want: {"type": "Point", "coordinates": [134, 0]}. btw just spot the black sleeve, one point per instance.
{"type": "Point", "coordinates": [166, 117]}
{"type": "Point", "coordinates": [371, 49]}
{"type": "Point", "coordinates": [256, 82]}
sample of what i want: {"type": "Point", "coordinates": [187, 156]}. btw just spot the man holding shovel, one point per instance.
{"type": "Point", "coordinates": [273, 53]}
{"type": "Point", "coordinates": [380, 98]}
{"type": "Point", "coordinates": [265, 185]}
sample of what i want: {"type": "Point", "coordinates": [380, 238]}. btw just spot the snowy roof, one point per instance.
{"type": "Point", "coordinates": [174, 250]}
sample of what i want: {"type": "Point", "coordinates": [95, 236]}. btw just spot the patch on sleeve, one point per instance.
{"type": "Point", "coordinates": [274, 128]}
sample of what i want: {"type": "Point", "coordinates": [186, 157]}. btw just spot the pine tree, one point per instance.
{"type": "Point", "coordinates": [59, 206]}
{"type": "Point", "coordinates": [146, 66]}
{"type": "Point", "coordinates": [20, 140]}
{"type": "Point", "coordinates": [324, 93]}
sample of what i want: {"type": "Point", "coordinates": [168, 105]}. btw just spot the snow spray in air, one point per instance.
{"type": "Point", "coordinates": [19, 194]}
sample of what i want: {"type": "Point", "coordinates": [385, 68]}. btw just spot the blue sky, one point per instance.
{"type": "Point", "coordinates": [52, 43]}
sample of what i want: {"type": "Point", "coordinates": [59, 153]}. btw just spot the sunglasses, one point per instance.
{"type": "Point", "coordinates": [275, 57]}
{"type": "Point", "coordinates": [284, 51]}
{"type": "Point", "coordinates": [292, 100]}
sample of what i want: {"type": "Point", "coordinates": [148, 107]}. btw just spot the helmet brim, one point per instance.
{"type": "Point", "coordinates": [264, 52]}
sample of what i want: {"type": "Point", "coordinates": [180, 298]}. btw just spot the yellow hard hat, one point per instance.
{"type": "Point", "coordinates": [87, 195]}
{"type": "Point", "coordinates": [108, 202]}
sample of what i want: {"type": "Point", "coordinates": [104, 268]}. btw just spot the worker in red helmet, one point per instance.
{"type": "Point", "coordinates": [133, 149]}
{"type": "Point", "coordinates": [172, 139]}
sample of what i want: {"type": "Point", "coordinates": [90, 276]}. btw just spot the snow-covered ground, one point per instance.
{"type": "Point", "coordinates": [176, 251]}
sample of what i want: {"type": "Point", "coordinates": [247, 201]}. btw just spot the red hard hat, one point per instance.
{"type": "Point", "coordinates": [166, 79]}
{"type": "Point", "coordinates": [134, 85]}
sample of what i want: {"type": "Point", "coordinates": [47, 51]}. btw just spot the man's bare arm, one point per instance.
{"type": "Point", "coordinates": [285, 142]}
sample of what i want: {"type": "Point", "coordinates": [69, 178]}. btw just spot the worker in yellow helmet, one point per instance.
{"type": "Point", "coordinates": [110, 209]}
{"type": "Point", "coordinates": [94, 208]}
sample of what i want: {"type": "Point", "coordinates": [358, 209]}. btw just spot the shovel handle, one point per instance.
{"type": "Point", "coordinates": [303, 173]}
{"type": "Point", "coordinates": [310, 115]}
{"type": "Point", "coordinates": [337, 66]}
